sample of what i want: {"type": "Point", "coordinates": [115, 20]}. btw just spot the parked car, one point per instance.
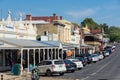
{"type": "Point", "coordinates": [95, 57]}
{"type": "Point", "coordinates": [105, 53]}
{"type": "Point", "coordinates": [50, 67]}
{"type": "Point", "coordinates": [100, 55]}
{"type": "Point", "coordinates": [88, 56]}
{"type": "Point", "coordinates": [83, 59]}
{"type": "Point", "coordinates": [70, 66]}
{"type": "Point", "coordinates": [109, 49]}
{"type": "Point", "coordinates": [78, 63]}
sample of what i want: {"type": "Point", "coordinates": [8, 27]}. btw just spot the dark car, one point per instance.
{"type": "Point", "coordinates": [70, 66]}
{"type": "Point", "coordinates": [88, 56]}
{"type": "Point", "coordinates": [83, 59]}
{"type": "Point", "coordinates": [109, 49]}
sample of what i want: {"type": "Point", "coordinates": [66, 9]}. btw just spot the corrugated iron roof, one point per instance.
{"type": "Point", "coordinates": [26, 43]}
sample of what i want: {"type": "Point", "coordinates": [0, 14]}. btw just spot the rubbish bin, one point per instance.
{"type": "Point", "coordinates": [16, 69]}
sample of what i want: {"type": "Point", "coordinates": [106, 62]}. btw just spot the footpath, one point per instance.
{"type": "Point", "coordinates": [25, 76]}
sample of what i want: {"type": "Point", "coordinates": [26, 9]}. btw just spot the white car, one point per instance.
{"type": "Point", "coordinates": [78, 63]}
{"type": "Point", "coordinates": [113, 47]}
{"type": "Point", "coordinates": [105, 53]}
{"type": "Point", "coordinates": [50, 67]}
{"type": "Point", "coordinates": [100, 56]}
{"type": "Point", "coordinates": [95, 57]}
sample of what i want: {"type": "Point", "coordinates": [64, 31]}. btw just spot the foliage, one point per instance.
{"type": "Point", "coordinates": [112, 32]}
{"type": "Point", "coordinates": [90, 23]}
{"type": "Point", "coordinates": [75, 24]}
{"type": "Point", "coordinates": [38, 37]}
{"type": "Point", "coordinates": [104, 27]}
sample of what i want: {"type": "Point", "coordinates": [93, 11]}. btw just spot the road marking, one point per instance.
{"type": "Point", "coordinates": [96, 71]}
{"type": "Point", "coordinates": [85, 78]}
{"type": "Point", "coordinates": [93, 73]}
{"type": "Point", "coordinates": [83, 70]}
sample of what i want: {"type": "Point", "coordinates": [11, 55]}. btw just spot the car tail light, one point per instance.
{"type": "Point", "coordinates": [53, 66]}
{"type": "Point", "coordinates": [67, 64]}
{"type": "Point", "coordinates": [75, 64]}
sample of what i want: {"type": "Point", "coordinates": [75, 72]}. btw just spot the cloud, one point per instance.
{"type": "Point", "coordinates": [104, 17]}
{"type": "Point", "coordinates": [84, 13]}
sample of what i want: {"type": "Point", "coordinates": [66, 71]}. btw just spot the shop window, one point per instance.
{"type": "Point", "coordinates": [1, 59]}
{"type": "Point", "coordinates": [10, 58]}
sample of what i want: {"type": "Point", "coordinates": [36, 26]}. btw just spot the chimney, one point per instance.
{"type": "Point", "coordinates": [60, 17]}
{"type": "Point", "coordinates": [28, 17]}
{"type": "Point", "coordinates": [54, 16]}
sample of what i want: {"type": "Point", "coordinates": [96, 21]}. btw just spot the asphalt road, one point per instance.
{"type": "Point", "coordinates": [106, 69]}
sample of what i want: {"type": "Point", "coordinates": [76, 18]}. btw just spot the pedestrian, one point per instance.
{"type": "Point", "coordinates": [12, 66]}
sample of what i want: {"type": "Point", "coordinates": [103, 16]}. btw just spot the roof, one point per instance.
{"type": "Point", "coordinates": [21, 43]}
{"type": "Point", "coordinates": [98, 31]}
{"type": "Point", "coordinates": [85, 45]}
{"type": "Point", "coordinates": [36, 22]}
{"type": "Point", "coordinates": [63, 22]}
{"type": "Point", "coordinates": [69, 45]}
{"type": "Point", "coordinates": [52, 43]}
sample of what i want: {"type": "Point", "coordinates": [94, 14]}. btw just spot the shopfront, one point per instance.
{"type": "Point", "coordinates": [26, 52]}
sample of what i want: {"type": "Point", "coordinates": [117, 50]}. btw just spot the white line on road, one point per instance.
{"type": "Point", "coordinates": [96, 71]}
{"type": "Point", "coordinates": [85, 78]}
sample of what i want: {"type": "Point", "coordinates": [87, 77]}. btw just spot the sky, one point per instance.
{"type": "Point", "coordinates": [101, 11]}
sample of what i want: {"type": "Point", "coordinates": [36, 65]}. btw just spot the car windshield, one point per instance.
{"type": "Point", "coordinates": [75, 60]}
{"type": "Point", "coordinates": [68, 61]}
{"type": "Point", "coordinates": [59, 62]}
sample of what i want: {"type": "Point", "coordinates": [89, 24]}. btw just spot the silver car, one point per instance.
{"type": "Point", "coordinates": [50, 67]}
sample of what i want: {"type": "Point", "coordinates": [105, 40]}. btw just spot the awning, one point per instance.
{"type": "Point", "coordinates": [12, 43]}
{"type": "Point", "coordinates": [69, 45]}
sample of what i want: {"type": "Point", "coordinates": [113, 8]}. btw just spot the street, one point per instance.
{"type": "Point", "coordinates": [106, 69]}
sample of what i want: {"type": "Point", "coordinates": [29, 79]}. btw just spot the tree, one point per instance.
{"type": "Point", "coordinates": [75, 24]}
{"type": "Point", "coordinates": [38, 37]}
{"type": "Point", "coordinates": [91, 24]}
{"type": "Point", "coordinates": [105, 27]}
{"type": "Point", "coordinates": [114, 33]}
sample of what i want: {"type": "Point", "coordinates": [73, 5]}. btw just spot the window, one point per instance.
{"type": "Point", "coordinates": [1, 59]}
{"type": "Point", "coordinates": [41, 63]}
{"type": "Point", "coordinates": [59, 62]}
{"type": "Point", "coordinates": [48, 63]}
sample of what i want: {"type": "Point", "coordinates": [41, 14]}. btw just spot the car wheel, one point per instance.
{"type": "Point", "coordinates": [79, 68]}
{"type": "Point", "coordinates": [48, 73]}
{"type": "Point", "coordinates": [72, 71]}
{"type": "Point", "coordinates": [61, 73]}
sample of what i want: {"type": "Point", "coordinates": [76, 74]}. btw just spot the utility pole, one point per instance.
{"type": "Point", "coordinates": [80, 33]}
{"type": "Point", "coordinates": [1, 14]}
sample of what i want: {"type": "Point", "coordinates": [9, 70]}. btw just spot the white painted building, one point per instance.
{"type": "Point", "coordinates": [19, 29]}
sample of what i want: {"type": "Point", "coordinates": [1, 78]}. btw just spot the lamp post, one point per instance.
{"type": "Point", "coordinates": [80, 33]}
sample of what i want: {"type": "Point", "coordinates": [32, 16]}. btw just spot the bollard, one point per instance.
{"type": "Point", "coordinates": [1, 77]}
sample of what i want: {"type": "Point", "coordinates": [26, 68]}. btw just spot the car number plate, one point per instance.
{"type": "Point", "coordinates": [60, 65]}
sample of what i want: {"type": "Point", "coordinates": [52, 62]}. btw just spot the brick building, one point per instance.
{"type": "Point", "coordinates": [45, 18]}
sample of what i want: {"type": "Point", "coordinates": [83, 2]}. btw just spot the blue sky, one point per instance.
{"type": "Point", "coordinates": [102, 11]}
